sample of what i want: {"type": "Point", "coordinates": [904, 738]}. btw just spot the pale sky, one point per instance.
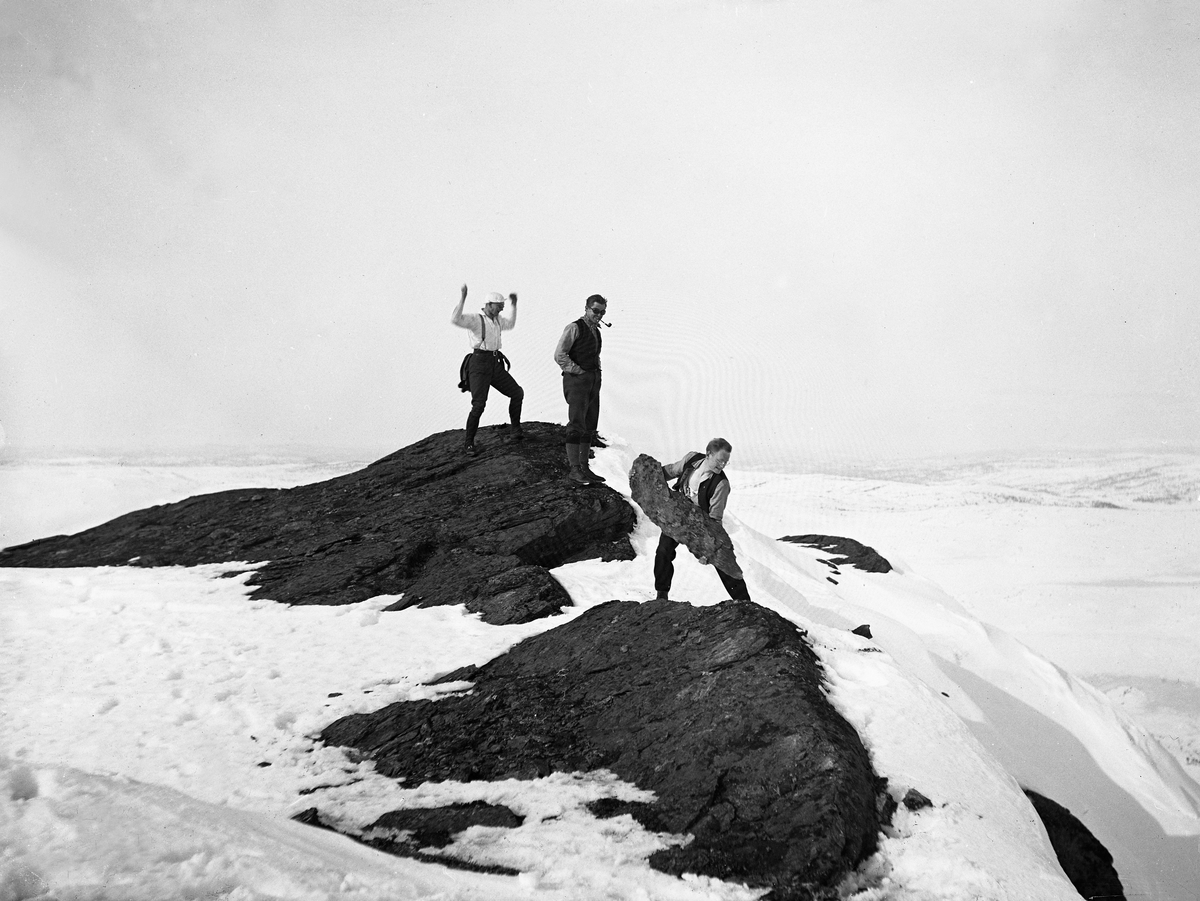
{"type": "Point", "coordinates": [825, 230]}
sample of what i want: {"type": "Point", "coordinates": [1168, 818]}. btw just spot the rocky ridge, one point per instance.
{"type": "Point", "coordinates": [427, 521]}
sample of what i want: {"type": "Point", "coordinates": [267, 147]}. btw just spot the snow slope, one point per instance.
{"type": "Point", "coordinates": [159, 723]}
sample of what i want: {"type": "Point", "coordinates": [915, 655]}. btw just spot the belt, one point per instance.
{"type": "Point", "coordinates": [480, 350]}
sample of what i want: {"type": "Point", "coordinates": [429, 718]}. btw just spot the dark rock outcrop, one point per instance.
{"type": "Point", "coordinates": [852, 552]}
{"type": "Point", "coordinates": [427, 521]}
{"type": "Point", "coordinates": [1087, 863]}
{"type": "Point", "coordinates": [679, 517]}
{"type": "Point", "coordinates": [720, 711]}
{"type": "Point", "coordinates": [409, 833]}
{"type": "Point", "coordinates": [435, 826]}
{"type": "Point", "coordinates": [914, 800]}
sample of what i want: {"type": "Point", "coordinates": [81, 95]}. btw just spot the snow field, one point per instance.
{"type": "Point", "coordinates": [161, 730]}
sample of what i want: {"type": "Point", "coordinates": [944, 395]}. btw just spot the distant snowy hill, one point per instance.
{"type": "Point", "coordinates": [168, 763]}
{"type": "Point", "coordinates": [1121, 479]}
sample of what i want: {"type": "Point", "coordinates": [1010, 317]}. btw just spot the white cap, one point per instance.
{"type": "Point", "coordinates": [495, 297]}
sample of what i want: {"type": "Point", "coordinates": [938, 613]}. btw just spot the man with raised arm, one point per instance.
{"type": "Point", "coordinates": [488, 367]}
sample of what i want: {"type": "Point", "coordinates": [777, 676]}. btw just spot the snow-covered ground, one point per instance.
{"type": "Point", "coordinates": [157, 723]}
{"type": "Point", "coordinates": [1089, 561]}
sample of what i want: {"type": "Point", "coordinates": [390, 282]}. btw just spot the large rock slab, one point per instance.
{"type": "Point", "coordinates": [679, 517]}
{"type": "Point", "coordinates": [720, 711]}
{"type": "Point", "coordinates": [428, 521]}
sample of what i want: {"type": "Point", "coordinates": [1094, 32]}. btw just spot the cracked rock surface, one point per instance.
{"type": "Point", "coordinates": [720, 711]}
{"type": "Point", "coordinates": [427, 521]}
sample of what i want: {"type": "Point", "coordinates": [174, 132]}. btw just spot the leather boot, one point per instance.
{"type": "Point", "coordinates": [585, 453]}
{"type": "Point", "coordinates": [587, 470]}
{"type": "Point", "coordinates": [576, 474]}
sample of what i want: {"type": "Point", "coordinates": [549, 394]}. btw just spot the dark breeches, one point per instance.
{"type": "Point", "coordinates": [664, 571]}
{"type": "Point", "coordinates": [485, 371]}
{"type": "Point", "coordinates": [582, 392]}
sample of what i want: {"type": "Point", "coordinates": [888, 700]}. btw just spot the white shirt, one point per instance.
{"type": "Point", "coordinates": [489, 337]}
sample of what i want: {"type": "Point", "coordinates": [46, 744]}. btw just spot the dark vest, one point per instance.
{"type": "Point", "coordinates": [585, 351]}
{"type": "Point", "coordinates": [704, 495]}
